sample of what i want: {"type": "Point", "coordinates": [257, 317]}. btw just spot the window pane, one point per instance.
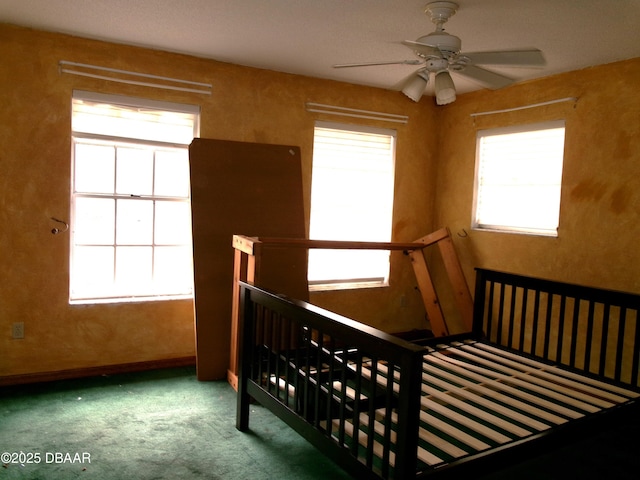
{"type": "Point", "coordinates": [172, 173]}
{"type": "Point", "coordinates": [94, 221]}
{"type": "Point", "coordinates": [134, 225]}
{"type": "Point", "coordinates": [94, 168]}
{"type": "Point", "coordinates": [173, 270]}
{"type": "Point", "coordinates": [173, 223]}
{"type": "Point", "coordinates": [133, 270]}
{"type": "Point", "coordinates": [92, 273]}
{"type": "Point", "coordinates": [349, 264]}
{"type": "Point", "coordinates": [134, 171]}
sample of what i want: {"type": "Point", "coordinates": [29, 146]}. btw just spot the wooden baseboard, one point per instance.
{"type": "Point", "coordinates": [96, 371]}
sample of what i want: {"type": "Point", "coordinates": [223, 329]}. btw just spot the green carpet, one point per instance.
{"type": "Point", "coordinates": [166, 425]}
{"type": "Point", "coordinates": [152, 425]}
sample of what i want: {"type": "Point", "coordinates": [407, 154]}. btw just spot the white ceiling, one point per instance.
{"type": "Point", "coordinates": [307, 37]}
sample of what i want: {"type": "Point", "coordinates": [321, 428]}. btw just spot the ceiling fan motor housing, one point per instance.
{"type": "Point", "coordinates": [449, 45]}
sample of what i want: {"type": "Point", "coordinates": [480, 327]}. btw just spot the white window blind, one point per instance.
{"type": "Point", "coordinates": [140, 119]}
{"type": "Point", "coordinates": [519, 177]}
{"type": "Point", "coordinates": [131, 212]}
{"type": "Point", "coordinates": [351, 199]}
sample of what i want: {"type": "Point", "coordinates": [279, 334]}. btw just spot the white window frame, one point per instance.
{"type": "Point", "coordinates": [532, 153]}
{"type": "Point", "coordinates": [123, 139]}
{"type": "Point", "coordinates": [335, 258]}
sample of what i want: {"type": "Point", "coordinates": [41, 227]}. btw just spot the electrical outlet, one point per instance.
{"type": "Point", "coordinates": [17, 330]}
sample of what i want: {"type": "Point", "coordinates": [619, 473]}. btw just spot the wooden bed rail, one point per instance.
{"type": "Point", "coordinates": [248, 251]}
{"type": "Point", "coordinates": [329, 384]}
{"type": "Point", "coordinates": [589, 329]}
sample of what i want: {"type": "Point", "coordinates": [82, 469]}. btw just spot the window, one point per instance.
{"type": "Point", "coordinates": [351, 199]}
{"type": "Point", "coordinates": [131, 211]}
{"type": "Point", "coordinates": [518, 178]}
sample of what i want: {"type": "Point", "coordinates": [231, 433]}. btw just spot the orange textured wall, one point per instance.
{"type": "Point", "coordinates": [246, 105]}
{"type": "Point", "coordinates": [597, 241]}
{"type": "Point", "coordinates": [434, 188]}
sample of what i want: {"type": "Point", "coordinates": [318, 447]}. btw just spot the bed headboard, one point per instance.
{"type": "Point", "coordinates": [589, 329]}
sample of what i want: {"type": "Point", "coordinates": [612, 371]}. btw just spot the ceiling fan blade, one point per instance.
{"type": "Point", "coordinates": [423, 48]}
{"type": "Point", "coordinates": [484, 77]}
{"type": "Point", "coordinates": [373, 64]}
{"type": "Point", "coordinates": [515, 58]}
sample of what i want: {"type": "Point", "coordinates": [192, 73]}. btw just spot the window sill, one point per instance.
{"type": "Point", "coordinates": [96, 301]}
{"type": "Point", "coordinates": [516, 230]}
{"type": "Point", "coordinates": [355, 285]}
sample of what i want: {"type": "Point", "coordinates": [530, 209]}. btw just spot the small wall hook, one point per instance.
{"type": "Point", "coordinates": [56, 231]}
{"type": "Point", "coordinates": [463, 234]}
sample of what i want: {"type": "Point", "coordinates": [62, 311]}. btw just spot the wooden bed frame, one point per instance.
{"type": "Point", "coordinates": [545, 362]}
{"type": "Point", "coordinates": [247, 267]}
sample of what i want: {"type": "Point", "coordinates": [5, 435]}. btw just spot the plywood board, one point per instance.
{"type": "Point", "coordinates": [253, 189]}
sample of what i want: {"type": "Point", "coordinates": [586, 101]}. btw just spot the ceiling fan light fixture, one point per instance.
{"type": "Point", "coordinates": [444, 88]}
{"type": "Point", "coordinates": [416, 86]}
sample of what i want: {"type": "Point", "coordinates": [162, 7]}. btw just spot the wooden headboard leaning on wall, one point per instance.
{"type": "Point", "coordinates": [240, 187]}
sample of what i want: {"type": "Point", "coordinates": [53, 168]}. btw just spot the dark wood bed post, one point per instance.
{"type": "Point", "coordinates": [479, 303]}
{"type": "Point", "coordinates": [408, 416]}
{"type": "Point", "coordinates": [244, 349]}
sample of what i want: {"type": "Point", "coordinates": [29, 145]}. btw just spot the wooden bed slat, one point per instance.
{"type": "Point", "coordinates": [462, 405]}
{"type": "Point", "coordinates": [562, 372]}
{"type": "Point", "coordinates": [497, 395]}
{"type": "Point", "coordinates": [594, 394]}
{"type": "Point", "coordinates": [428, 438]}
{"type": "Point", "coordinates": [450, 414]}
{"type": "Point", "coordinates": [283, 386]}
{"type": "Point", "coordinates": [468, 422]}
{"type": "Point", "coordinates": [434, 440]}
{"type": "Point", "coordinates": [541, 386]}
{"type": "Point", "coordinates": [489, 379]}
{"type": "Point", "coordinates": [468, 394]}
{"type": "Point", "coordinates": [476, 412]}
{"type": "Point", "coordinates": [363, 440]}
{"type": "Point", "coordinates": [440, 443]}
{"type": "Point", "coordinates": [454, 432]}
{"type": "Point", "coordinates": [349, 392]}
{"type": "Point", "coordinates": [424, 455]}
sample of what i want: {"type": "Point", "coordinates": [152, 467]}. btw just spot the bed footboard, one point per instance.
{"type": "Point", "coordinates": [322, 374]}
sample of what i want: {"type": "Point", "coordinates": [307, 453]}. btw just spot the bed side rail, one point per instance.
{"type": "Point", "coordinates": [593, 330]}
{"type": "Point", "coordinates": [351, 390]}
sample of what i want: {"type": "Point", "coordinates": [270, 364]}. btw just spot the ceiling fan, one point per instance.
{"type": "Point", "coordinates": [440, 54]}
